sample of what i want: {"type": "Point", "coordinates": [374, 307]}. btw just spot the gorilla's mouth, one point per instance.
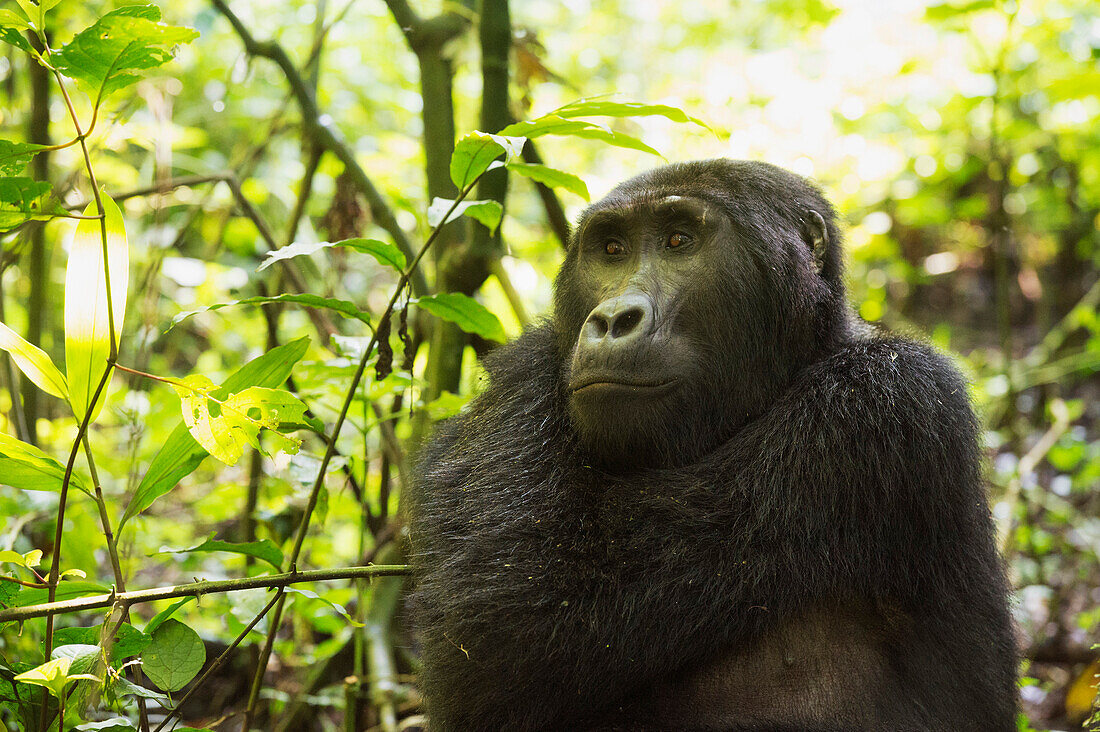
{"type": "Point", "coordinates": [606, 384]}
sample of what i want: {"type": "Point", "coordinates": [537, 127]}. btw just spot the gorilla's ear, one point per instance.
{"type": "Point", "coordinates": [816, 235]}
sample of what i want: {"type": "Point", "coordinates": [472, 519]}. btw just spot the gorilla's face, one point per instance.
{"type": "Point", "coordinates": [675, 319]}
{"type": "Point", "coordinates": [645, 367]}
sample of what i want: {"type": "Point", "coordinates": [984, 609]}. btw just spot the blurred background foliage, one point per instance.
{"type": "Point", "coordinates": [960, 141]}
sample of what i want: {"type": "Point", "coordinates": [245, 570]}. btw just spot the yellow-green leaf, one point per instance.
{"type": "Point", "coordinates": [551, 177]}
{"type": "Point", "coordinates": [25, 466]}
{"type": "Point", "coordinates": [34, 363]}
{"type": "Point", "coordinates": [87, 331]}
{"type": "Point", "coordinates": [223, 428]}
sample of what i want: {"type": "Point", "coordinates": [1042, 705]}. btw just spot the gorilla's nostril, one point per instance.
{"type": "Point", "coordinates": [598, 325]}
{"type": "Point", "coordinates": [626, 322]}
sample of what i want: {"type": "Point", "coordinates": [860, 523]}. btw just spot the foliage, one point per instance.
{"type": "Point", "coordinates": [248, 203]}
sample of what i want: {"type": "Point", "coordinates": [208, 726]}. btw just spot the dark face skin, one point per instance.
{"type": "Point", "coordinates": [685, 303]}
{"type": "Point", "coordinates": [638, 380]}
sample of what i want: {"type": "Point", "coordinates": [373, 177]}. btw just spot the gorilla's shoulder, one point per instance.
{"type": "Point", "coordinates": [894, 376]}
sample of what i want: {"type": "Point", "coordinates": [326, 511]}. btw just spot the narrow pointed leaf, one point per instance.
{"type": "Point", "coordinates": [180, 454]}
{"type": "Point", "coordinates": [551, 177]}
{"type": "Point", "coordinates": [343, 307]}
{"type": "Point", "coordinates": [465, 312]}
{"type": "Point", "coordinates": [607, 108]}
{"type": "Point", "coordinates": [28, 468]}
{"type": "Point", "coordinates": [34, 363]}
{"type": "Point", "coordinates": [265, 550]}
{"type": "Point", "coordinates": [87, 332]}
{"type": "Point", "coordinates": [386, 254]}
{"type": "Point", "coordinates": [553, 124]}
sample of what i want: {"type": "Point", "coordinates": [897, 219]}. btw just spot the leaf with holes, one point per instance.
{"type": "Point", "coordinates": [103, 57]}
{"type": "Point", "coordinates": [223, 428]}
{"type": "Point", "coordinates": [181, 454]}
{"type": "Point", "coordinates": [23, 200]}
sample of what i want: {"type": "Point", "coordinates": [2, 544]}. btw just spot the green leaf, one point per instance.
{"type": "Point", "coordinates": [87, 332]}
{"type": "Point", "coordinates": [223, 428]}
{"type": "Point", "coordinates": [23, 200]}
{"type": "Point", "coordinates": [180, 454]}
{"type": "Point", "coordinates": [174, 657]}
{"type": "Point", "coordinates": [25, 466]}
{"type": "Point", "coordinates": [606, 108]}
{"type": "Point", "coordinates": [551, 177]}
{"type": "Point", "coordinates": [66, 590]}
{"type": "Point", "coordinates": [950, 11]}
{"type": "Point", "coordinates": [53, 675]}
{"type": "Point", "coordinates": [475, 152]}
{"type": "Point", "coordinates": [34, 363]}
{"type": "Point", "coordinates": [28, 560]}
{"type": "Point", "coordinates": [14, 156]}
{"type": "Point", "coordinates": [128, 640]}
{"type": "Point", "coordinates": [159, 618]}
{"type": "Point", "coordinates": [36, 10]}
{"type": "Point", "coordinates": [488, 213]}
{"type": "Point", "coordinates": [12, 26]}
{"type": "Point", "coordinates": [265, 550]}
{"type": "Point", "coordinates": [118, 724]}
{"type": "Point", "coordinates": [465, 312]}
{"type": "Point", "coordinates": [386, 254]}
{"type": "Point", "coordinates": [343, 307]}
{"type": "Point", "coordinates": [553, 124]}
{"type": "Point", "coordinates": [101, 57]}
{"type": "Point", "coordinates": [334, 605]}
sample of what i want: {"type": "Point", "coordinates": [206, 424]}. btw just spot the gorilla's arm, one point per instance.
{"type": "Point", "coordinates": [547, 589]}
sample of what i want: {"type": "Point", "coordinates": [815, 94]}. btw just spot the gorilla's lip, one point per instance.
{"type": "Point", "coordinates": [614, 383]}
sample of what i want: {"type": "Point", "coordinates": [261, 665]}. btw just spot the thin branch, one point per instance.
{"type": "Point", "coordinates": [198, 589]}
{"type": "Point", "coordinates": [325, 134]}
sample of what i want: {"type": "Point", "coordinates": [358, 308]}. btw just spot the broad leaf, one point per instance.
{"type": "Point", "coordinates": [117, 724]}
{"type": "Point", "coordinates": [23, 200]}
{"type": "Point", "coordinates": [87, 332]}
{"type": "Point", "coordinates": [488, 213]}
{"type": "Point", "coordinates": [28, 560]}
{"type": "Point", "coordinates": [465, 312]}
{"type": "Point", "coordinates": [476, 151]}
{"type": "Point", "coordinates": [180, 454]}
{"type": "Point", "coordinates": [551, 177]}
{"type": "Point", "coordinates": [25, 466]}
{"type": "Point", "coordinates": [34, 363]}
{"type": "Point", "coordinates": [343, 307]}
{"type": "Point", "coordinates": [265, 550]}
{"type": "Point", "coordinates": [12, 27]}
{"type": "Point", "coordinates": [386, 254]}
{"type": "Point", "coordinates": [223, 428]}
{"type": "Point", "coordinates": [36, 10]}
{"type": "Point", "coordinates": [53, 675]}
{"type": "Point", "coordinates": [174, 657]}
{"type": "Point", "coordinates": [102, 57]}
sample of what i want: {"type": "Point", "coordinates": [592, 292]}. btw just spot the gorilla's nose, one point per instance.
{"type": "Point", "coordinates": [619, 321]}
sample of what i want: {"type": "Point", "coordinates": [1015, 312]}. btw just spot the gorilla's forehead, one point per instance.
{"type": "Point", "coordinates": [649, 205]}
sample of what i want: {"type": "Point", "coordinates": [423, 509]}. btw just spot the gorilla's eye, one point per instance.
{"type": "Point", "coordinates": [614, 248]}
{"type": "Point", "coordinates": [678, 240]}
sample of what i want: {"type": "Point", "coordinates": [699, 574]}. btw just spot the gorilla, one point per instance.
{"type": "Point", "coordinates": [706, 496]}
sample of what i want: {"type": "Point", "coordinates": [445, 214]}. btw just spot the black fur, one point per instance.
{"type": "Point", "coordinates": [825, 562]}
